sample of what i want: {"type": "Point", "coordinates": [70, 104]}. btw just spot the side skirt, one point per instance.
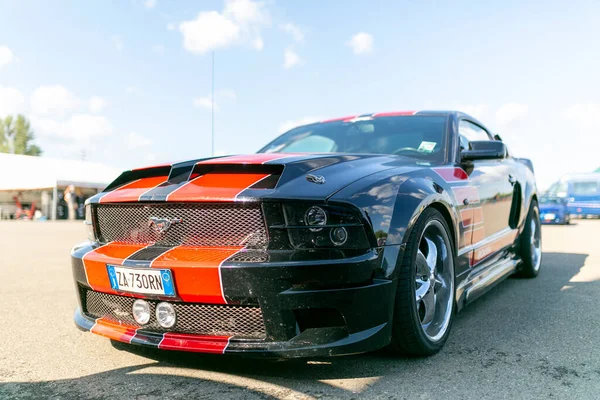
{"type": "Point", "coordinates": [483, 280]}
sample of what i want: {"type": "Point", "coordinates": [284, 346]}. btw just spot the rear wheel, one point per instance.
{"type": "Point", "coordinates": [530, 243]}
{"type": "Point", "coordinates": [424, 307]}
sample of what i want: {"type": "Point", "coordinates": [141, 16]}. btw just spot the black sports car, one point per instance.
{"type": "Point", "coordinates": [338, 237]}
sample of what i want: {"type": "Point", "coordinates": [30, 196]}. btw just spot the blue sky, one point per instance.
{"type": "Point", "coordinates": [128, 83]}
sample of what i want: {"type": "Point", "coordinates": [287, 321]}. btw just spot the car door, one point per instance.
{"type": "Point", "coordinates": [494, 182]}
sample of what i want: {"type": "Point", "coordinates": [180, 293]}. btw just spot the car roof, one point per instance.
{"type": "Point", "coordinates": [398, 113]}
{"type": "Point", "coordinates": [445, 113]}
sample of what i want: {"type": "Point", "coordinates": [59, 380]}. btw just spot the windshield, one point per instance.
{"type": "Point", "coordinates": [584, 188]}
{"type": "Point", "coordinates": [558, 189]}
{"type": "Point", "coordinates": [414, 136]}
{"type": "Point", "coordinates": [551, 200]}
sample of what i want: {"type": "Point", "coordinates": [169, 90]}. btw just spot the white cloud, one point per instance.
{"type": "Point", "coordinates": [149, 4]}
{"type": "Point", "coordinates": [6, 56]}
{"type": "Point", "coordinates": [246, 11]}
{"type": "Point", "coordinates": [158, 49]}
{"type": "Point", "coordinates": [258, 44]}
{"type": "Point", "coordinates": [205, 102]}
{"type": "Point", "coordinates": [79, 128]}
{"type": "Point", "coordinates": [12, 101]}
{"type": "Point", "coordinates": [361, 43]}
{"type": "Point", "coordinates": [290, 58]}
{"type": "Point", "coordinates": [136, 141]}
{"type": "Point", "coordinates": [511, 112]}
{"type": "Point", "coordinates": [130, 89]}
{"type": "Point", "coordinates": [586, 115]}
{"type": "Point", "coordinates": [287, 125]}
{"type": "Point", "coordinates": [53, 100]}
{"type": "Point", "coordinates": [294, 31]}
{"type": "Point", "coordinates": [209, 31]}
{"type": "Point", "coordinates": [240, 21]}
{"type": "Point", "coordinates": [171, 26]}
{"type": "Point", "coordinates": [97, 103]}
{"type": "Point", "coordinates": [118, 42]}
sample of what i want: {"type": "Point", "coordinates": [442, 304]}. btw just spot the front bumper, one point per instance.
{"type": "Point", "coordinates": [312, 308]}
{"type": "Point", "coordinates": [552, 218]}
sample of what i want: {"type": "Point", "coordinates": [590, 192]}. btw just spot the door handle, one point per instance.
{"type": "Point", "coordinates": [512, 179]}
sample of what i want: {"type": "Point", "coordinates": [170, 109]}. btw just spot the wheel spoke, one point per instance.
{"type": "Point", "coordinates": [431, 255]}
{"type": "Point", "coordinates": [422, 266]}
{"type": "Point", "coordinates": [439, 283]}
{"type": "Point", "coordinates": [428, 303]}
{"type": "Point", "coordinates": [422, 289]}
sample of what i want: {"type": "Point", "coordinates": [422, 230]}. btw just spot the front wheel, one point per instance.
{"type": "Point", "coordinates": [424, 306]}
{"type": "Point", "coordinates": [530, 244]}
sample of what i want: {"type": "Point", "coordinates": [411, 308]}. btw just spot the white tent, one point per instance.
{"type": "Point", "coordinates": [21, 173]}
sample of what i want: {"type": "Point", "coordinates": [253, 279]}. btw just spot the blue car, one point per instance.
{"type": "Point", "coordinates": [553, 210]}
{"type": "Point", "coordinates": [581, 193]}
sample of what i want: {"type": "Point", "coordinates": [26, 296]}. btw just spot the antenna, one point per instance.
{"type": "Point", "coordinates": [212, 107]}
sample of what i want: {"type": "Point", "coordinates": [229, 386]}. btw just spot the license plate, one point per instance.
{"type": "Point", "coordinates": [141, 280]}
{"type": "Point", "coordinates": [549, 217]}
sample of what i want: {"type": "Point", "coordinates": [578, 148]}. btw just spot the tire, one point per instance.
{"type": "Point", "coordinates": [530, 244]}
{"type": "Point", "coordinates": [413, 332]}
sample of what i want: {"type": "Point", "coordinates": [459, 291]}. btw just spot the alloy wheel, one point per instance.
{"type": "Point", "coordinates": [434, 281]}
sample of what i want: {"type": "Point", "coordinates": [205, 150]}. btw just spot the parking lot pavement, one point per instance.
{"type": "Point", "coordinates": [525, 339]}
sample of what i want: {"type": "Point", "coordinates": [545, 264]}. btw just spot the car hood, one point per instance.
{"type": "Point", "coordinates": [249, 177]}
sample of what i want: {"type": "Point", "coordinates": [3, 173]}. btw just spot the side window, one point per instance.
{"type": "Point", "coordinates": [469, 132]}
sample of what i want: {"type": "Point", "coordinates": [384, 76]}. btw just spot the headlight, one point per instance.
{"type": "Point", "coordinates": [338, 236]}
{"type": "Point", "coordinates": [315, 216]}
{"type": "Point", "coordinates": [324, 226]}
{"type": "Point", "coordinates": [89, 224]}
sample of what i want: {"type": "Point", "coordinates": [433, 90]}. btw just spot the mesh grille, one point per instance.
{"type": "Point", "coordinates": [199, 319]}
{"type": "Point", "coordinates": [250, 256]}
{"type": "Point", "coordinates": [199, 224]}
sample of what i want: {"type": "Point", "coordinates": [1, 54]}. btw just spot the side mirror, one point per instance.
{"type": "Point", "coordinates": [497, 137]}
{"type": "Point", "coordinates": [484, 150]}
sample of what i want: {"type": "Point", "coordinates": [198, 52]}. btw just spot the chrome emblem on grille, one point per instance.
{"type": "Point", "coordinates": [318, 179]}
{"type": "Point", "coordinates": [162, 225]}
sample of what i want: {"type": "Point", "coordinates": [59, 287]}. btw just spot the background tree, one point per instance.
{"type": "Point", "coordinates": [16, 136]}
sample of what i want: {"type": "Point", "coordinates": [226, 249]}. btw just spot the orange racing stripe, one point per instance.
{"type": "Point", "coordinates": [132, 191]}
{"type": "Point", "coordinates": [215, 187]}
{"type": "Point", "coordinates": [95, 262]}
{"type": "Point", "coordinates": [196, 272]}
{"type": "Point", "coordinates": [114, 330]}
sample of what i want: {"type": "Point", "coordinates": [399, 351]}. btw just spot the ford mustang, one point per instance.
{"type": "Point", "coordinates": [338, 237]}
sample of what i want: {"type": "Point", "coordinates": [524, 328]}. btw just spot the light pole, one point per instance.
{"type": "Point", "coordinates": [212, 107]}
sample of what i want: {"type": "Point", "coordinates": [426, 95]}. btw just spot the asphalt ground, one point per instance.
{"type": "Point", "coordinates": [525, 339]}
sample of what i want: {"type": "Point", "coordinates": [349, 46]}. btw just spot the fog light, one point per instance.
{"type": "Point", "coordinates": [315, 216]}
{"type": "Point", "coordinates": [338, 236]}
{"type": "Point", "coordinates": [165, 315]}
{"type": "Point", "coordinates": [141, 311]}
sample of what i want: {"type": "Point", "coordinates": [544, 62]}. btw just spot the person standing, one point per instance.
{"type": "Point", "coordinates": [46, 203]}
{"type": "Point", "coordinates": [71, 198]}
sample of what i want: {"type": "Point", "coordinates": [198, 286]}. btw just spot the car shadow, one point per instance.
{"type": "Point", "coordinates": [516, 311]}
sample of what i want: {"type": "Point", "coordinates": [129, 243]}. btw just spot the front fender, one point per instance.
{"type": "Point", "coordinates": [414, 196]}
{"type": "Point", "coordinates": [392, 201]}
